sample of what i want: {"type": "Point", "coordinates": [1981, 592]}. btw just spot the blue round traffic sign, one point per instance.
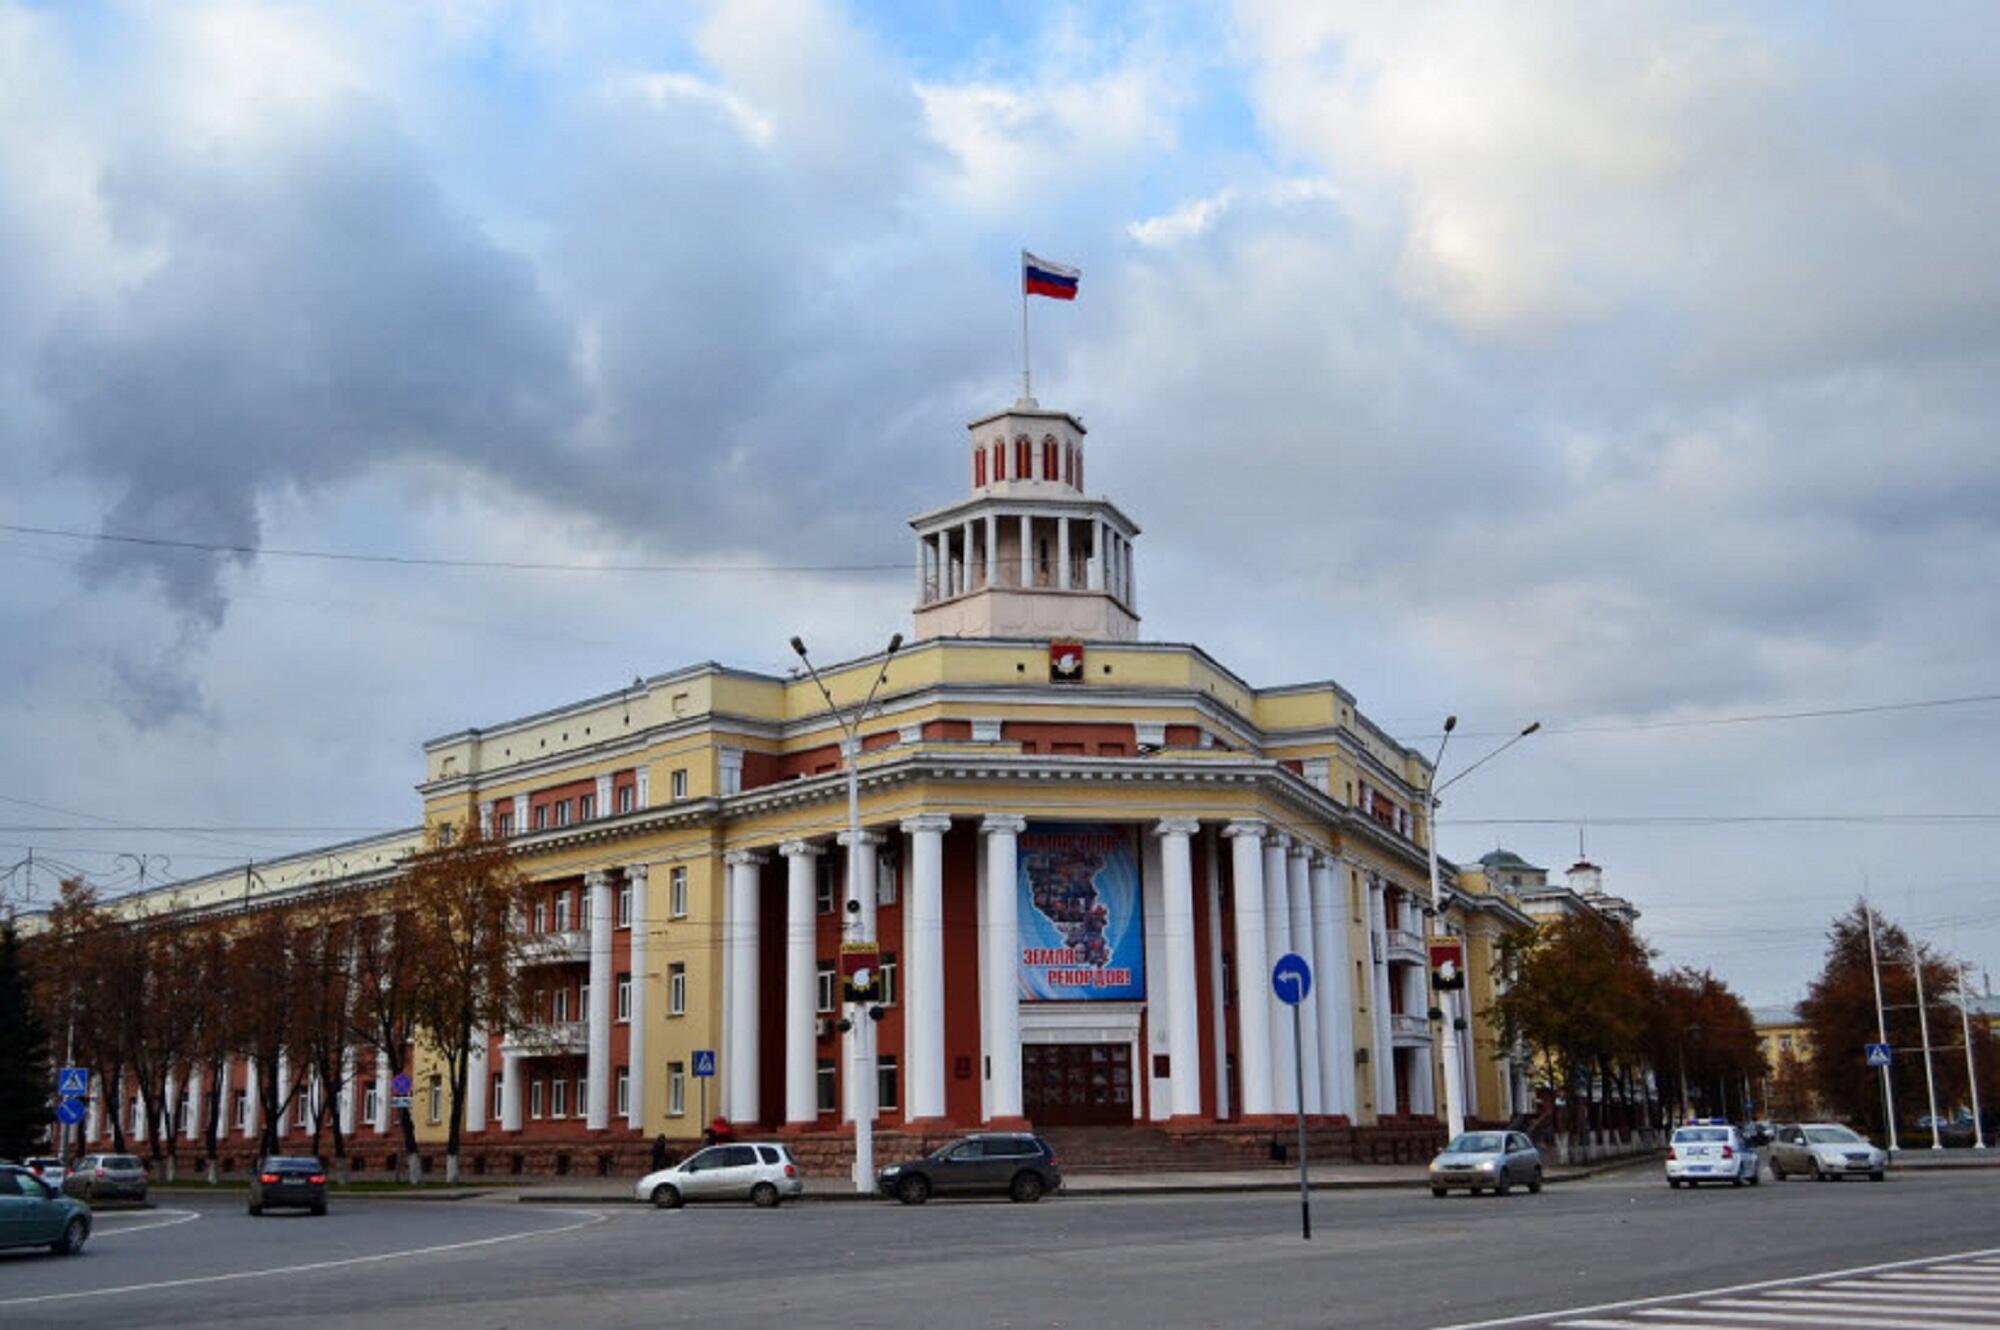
{"type": "Point", "coordinates": [400, 1084]}
{"type": "Point", "coordinates": [69, 1111]}
{"type": "Point", "coordinates": [1292, 979]}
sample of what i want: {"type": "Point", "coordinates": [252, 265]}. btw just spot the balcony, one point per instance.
{"type": "Point", "coordinates": [549, 1040]}
{"type": "Point", "coordinates": [1405, 947]}
{"type": "Point", "coordinates": [568, 947]}
{"type": "Point", "coordinates": [1407, 1031]}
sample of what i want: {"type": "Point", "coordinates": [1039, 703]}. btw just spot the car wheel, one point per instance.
{"type": "Point", "coordinates": [1675, 1183]}
{"type": "Point", "coordinates": [1535, 1184]}
{"type": "Point", "coordinates": [764, 1196]}
{"type": "Point", "coordinates": [1438, 1192]}
{"type": "Point", "coordinates": [667, 1196]}
{"type": "Point", "coordinates": [1818, 1174]}
{"type": "Point", "coordinates": [1027, 1188]}
{"type": "Point", "coordinates": [320, 1209]}
{"type": "Point", "coordinates": [914, 1190]}
{"type": "Point", "coordinates": [74, 1234]}
{"type": "Point", "coordinates": [1876, 1176]}
{"type": "Point", "coordinates": [1502, 1187]}
{"type": "Point", "coordinates": [1756, 1178]}
{"type": "Point", "coordinates": [256, 1209]}
{"type": "Point", "coordinates": [1777, 1174]}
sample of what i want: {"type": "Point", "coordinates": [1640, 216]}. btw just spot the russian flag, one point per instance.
{"type": "Point", "coordinates": [1039, 277]}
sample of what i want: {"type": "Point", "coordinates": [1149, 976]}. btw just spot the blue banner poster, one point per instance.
{"type": "Point", "coordinates": [1083, 934]}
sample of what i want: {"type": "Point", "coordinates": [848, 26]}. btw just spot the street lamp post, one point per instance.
{"type": "Point", "coordinates": [1454, 1074]}
{"type": "Point", "coordinates": [1971, 1068]}
{"type": "Point", "coordinates": [859, 925]}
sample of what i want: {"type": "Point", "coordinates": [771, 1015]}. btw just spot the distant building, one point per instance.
{"type": "Point", "coordinates": [1505, 873]}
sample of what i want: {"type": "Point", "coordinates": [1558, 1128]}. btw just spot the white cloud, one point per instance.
{"type": "Point", "coordinates": [666, 89]}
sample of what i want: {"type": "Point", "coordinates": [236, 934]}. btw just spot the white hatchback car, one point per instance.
{"type": "Point", "coordinates": [1710, 1152]}
{"type": "Point", "coordinates": [761, 1174]}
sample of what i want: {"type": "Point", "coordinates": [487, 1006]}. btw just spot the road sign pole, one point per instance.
{"type": "Point", "coordinates": [1881, 1027]}
{"type": "Point", "coordinates": [1299, 1075]}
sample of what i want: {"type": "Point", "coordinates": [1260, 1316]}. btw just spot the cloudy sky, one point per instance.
{"type": "Point", "coordinates": [1633, 368]}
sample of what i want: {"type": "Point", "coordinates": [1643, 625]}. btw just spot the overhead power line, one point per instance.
{"type": "Point", "coordinates": [1746, 718]}
{"type": "Point", "coordinates": [422, 561]}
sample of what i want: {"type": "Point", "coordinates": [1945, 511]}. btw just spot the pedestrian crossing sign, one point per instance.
{"type": "Point", "coordinates": [73, 1081]}
{"type": "Point", "coordinates": [1878, 1055]}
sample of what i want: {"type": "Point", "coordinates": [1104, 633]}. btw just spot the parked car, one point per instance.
{"type": "Point", "coordinates": [107, 1177]}
{"type": "Point", "coordinates": [1478, 1160]}
{"type": "Point", "coordinates": [1823, 1151]}
{"type": "Point", "coordinates": [49, 1169]}
{"type": "Point", "coordinates": [762, 1174]}
{"type": "Point", "coordinates": [34, 1214]}
{"type": "Point", "coordinates": [1021, 1168]}
{"type": "Point", "coordinates": [1710, 1152]}
{"type": "Point", "coordinates": [1757, 1135]}
{"type": "Point", "coordinates": [289, 1181]}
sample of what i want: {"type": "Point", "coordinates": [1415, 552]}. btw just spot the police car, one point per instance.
{"type": "Point", "coordinates": [1710, 1151]}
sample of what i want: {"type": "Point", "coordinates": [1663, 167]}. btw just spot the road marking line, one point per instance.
{"type": "Point", "coordinates": [1926, 1298]}
{"type": "Point", "coordinates": [592, 1217]}
{"type": "Point", "coordinates": [1979, 1315]}
{"type": "Point", "coordinates": [159, 1220]}
{"type": "Point", "coordinates": [1874, 1320]}
{"type": "Point", "coordinates": [1695, 1294]}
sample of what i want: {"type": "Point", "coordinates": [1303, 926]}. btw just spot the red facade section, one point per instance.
{"type": "Point", "coordinates": [1072, 740]}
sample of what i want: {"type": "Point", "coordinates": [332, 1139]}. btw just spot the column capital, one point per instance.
{"type": "Point", "coordinates": [938, 823]}
{"type": "Point", "coordinates": [1301, 850]}
{"type": "Point", "coordinates": [867, 837]}
{"type": "Point", "coordinates": [636, 873]}
{"type": "Point", "coordinates": [792, 849]}
{"type": "Point", "coordinates": [1006, 824]}
{"type": "Point", "coordinates": [1249, 828]}
{"type": "Point", "coordinates": [737, 858]}
{"type": "Point", "coordinates": [595, 878]}
{"type": "Point", "coordinates": [1279, 840]}
{"type": "Point", "coordinates": [1325, 859]}
{"type": "Point", "coordinates": [1176, 826]}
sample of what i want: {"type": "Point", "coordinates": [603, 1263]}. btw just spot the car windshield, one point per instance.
{"type": "Point", "coordinates": [1696, 1135]}
{"type": "Point", "coordinates": [1477, 1143]}
{"type": "Point", "coordinates": [1832, 1136]}
{"type": "Point", "coordinates": [121, 1161]}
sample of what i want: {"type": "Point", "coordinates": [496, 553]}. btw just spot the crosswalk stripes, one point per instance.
{"type": "Point", "coordinates": [1952, 1293]}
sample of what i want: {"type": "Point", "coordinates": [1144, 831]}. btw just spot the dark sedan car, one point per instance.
{"type": "Point", "coordinates": [1019, 1167]}
{"type": "Point", "coordinates": [298, 1181]}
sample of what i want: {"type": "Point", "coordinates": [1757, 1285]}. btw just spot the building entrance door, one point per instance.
{"type": "Point", "coordinates": [1077, 1085]}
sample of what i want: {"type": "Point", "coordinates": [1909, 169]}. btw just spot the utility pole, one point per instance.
{"type": "Point", "coordinates": [1971, 1069]}
{"type": "Point", "coordinates": [1881, 1026]}
{"type": "Point", "coordinates": [1924, 1024]}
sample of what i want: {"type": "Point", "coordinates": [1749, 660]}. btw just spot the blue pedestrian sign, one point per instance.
{"type": "Point", "coordinates": [69, 1110]}
{"type": "Point", "coordinates": [1292, 979]}
{"type": "Point", "coordinates": [73, 1081]}
{"type": "Point", "coordinates": [704, 1062]}
{"type": "Point", "coordinates": [1878, 1055]}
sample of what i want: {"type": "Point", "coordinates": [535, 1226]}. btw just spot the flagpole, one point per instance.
{"type": "Point", "coordinates": [1027, 382]}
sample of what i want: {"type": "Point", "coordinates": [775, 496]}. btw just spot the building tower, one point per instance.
{"type": "Point", "coordinates": [1027, 553]}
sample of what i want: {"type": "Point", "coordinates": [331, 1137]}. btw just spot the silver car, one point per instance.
{"type": "Point", "coordinates": [761, 1174]}
{"type": "Point", "coordinates": [1478, 1160]}
{"type": "Point", "coordinates": [1823, 1151]}
{"type": "Point", "coordinates": [103, 1177]}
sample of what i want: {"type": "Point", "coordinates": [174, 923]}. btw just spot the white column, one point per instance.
{"type": "Point", "coordinates": [991, 522]}
{"type": "Point", "coordinates": [252, 1103]}
{"type": "Point", "coordinates": [1378, 1004]}
{"type": "Point", "coordinates": [1003, 961]}
{"type": "Point", "coordinates": [510, 1090]}
{"type": "Point", "coordinates": [965, 538]}
{"type": "Point", "coordinates": [1218, 1012]}
{"type": "Point", "coordinates": [346, 1090]}
{"type": "Point", "coordinates": [745, 1091]}
{"type": "Point", "coordinates": [383, 1074]}
{"type": "Point", "coordinates": [923, 567]}
{"type": "Point", "coordinates": [1062, 553]}
{"type": "Point", "coordinates": [224, 1091]}
{"type": "Point", "coordinates": [923, 967]}
{"type": "Point", "coordinates": [640, 920]}
{"type": "Point", "coordinates": [1298, 889]}
{"type": "Point", "coordinates": [597, 1064]}
{"type": "Point", "coordinates": [1333, 988]}
{"type": "Point", "coordinates": [478, 1083]}
{"type": "Point", "coordinates": [1277, 941]}
{"type": "Point", "coordinates": [170, 1110]}
{"type": "Point", "coordinates": [1253, 968]}
{"type": "Point", "coordinates": [188, 1129]}
{"type": "Point", "coordinates": [1027, 550]}
{"type": "Point", "coordinates": [288, 1106]}
{"type": "Point", "coordinates": [1183, 1029]}
{"type": "Point", "coordinates": [801, 872]}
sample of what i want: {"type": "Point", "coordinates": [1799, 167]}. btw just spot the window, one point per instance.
{"type": "Point", "coordinates": [979, 469]}
{"type": "Point", "coordinates": [1784, 1043]}
{"type": "Point", "coordinates": [823, 989]}
{"type": "Point", "coordinates": [583, 907]}
{"type": "Point", "coordinates": [437, 1097]}
{"type": "Point", "coordinates": [503, 823]}
{"type": "Point", "coordinates": [624, 1091]}
{"type": "Point", "coordinates": [562, 812]}
{"type": "Point", "coordinates": [885, 1083]}
{"type": "Point", "coordinates": [303, 1104]}
{"type": "Point", "coordinates": [499, 1110]}
{"type": "Point", "coordinates": [1048, 459]}
{"type": "Point", "coordinates": [562, 911]}
{"type": "Point", "coordinates": [1024, 459]}
{"type": "Point", "coordinates": [586, 807]}
{"type": "Point", "coordinates": [999, 461]}
{"type": "Point", "coordinates": [676, 1089]}
{"type": "Point", "coordinates": [677, 893]}
{"type": "Point", "coordinates": [829, 1088]}
{"type": "Point", "coordinates": [624, 916]}
{"type": "Point", "coordinates": [559, 1098]}
{"type": "Point", "coordinates": [581, 1101]}
{"type": "Point", "coordinates": [583, 1001]}
{"type": "Point", "coordinates": [677, 989]}
{"type": "Point", "coordinates": [888, 971]}
{"type": "Point", "coordinates": [624, 797]}
{"type": "Point", "coordinates": [885, 881]}
{"type": "Point", "coordinates": [624, 997]}
{"type": "Point", "coordinates": [541, 917]}
{"type": "Point", "coordinates": [1069, 463]}
{"type": "Point", "coordinates": [535, 1099]}
{"type": "Point", "coordinates": [679, 784]}
{"type": "Point", "coordinates": [239, 1112]}
{"type": "Point", "coordinates": [823, 885]}
{"type": "Point", "coordinates": [562, 1003]}
{"type": "Point", "coordinates": [540, 816]}
{"type": "Point", "coordinates": [368, 1100]}
{"type": "Point", "coordinates": [447, 833]}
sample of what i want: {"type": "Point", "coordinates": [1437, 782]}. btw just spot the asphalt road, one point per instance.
{"type": "Point", "coordinates": [1392, 1259]}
